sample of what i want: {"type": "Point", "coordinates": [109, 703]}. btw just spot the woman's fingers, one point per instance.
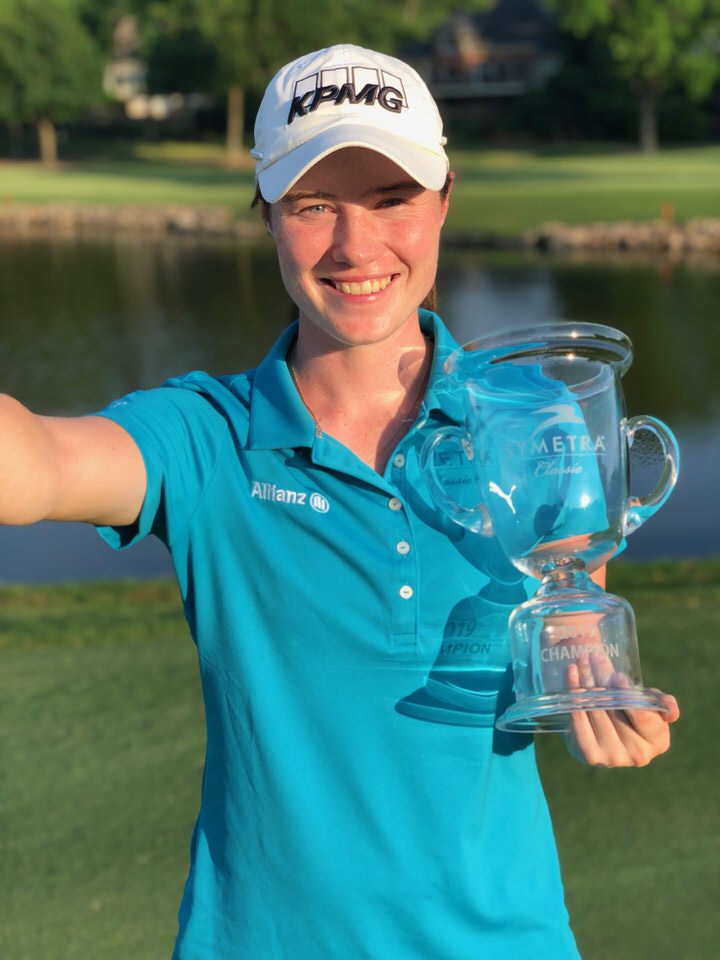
{"type": "Point", "coordinates": [615, 738]}
{"type": "Point", "coordinates": [619, 738]}
{"type": "Point", "coordinates": [585, 671]}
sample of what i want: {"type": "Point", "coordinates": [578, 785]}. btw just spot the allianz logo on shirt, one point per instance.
{"type": "Point", "coordinates": [262, 490]}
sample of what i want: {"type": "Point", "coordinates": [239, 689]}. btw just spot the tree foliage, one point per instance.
{"type": "Point", "coordinates": [50, 65]}
{"type": "Point", "coordinates": [656, 44]}
{"type": "Point", "coordinates": [253, 38]}
{"type": "Point", "coordinates": [229, 46]}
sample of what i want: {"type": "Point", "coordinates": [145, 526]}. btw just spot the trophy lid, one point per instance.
{"type": "Point", "coordinates": [593, 341]}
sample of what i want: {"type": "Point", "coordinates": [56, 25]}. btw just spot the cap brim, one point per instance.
{"type": "Point", "coordinates": [424, 165]}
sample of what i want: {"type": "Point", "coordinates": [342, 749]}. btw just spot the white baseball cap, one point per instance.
{"type": "Point", "coordinates": [346, 96]}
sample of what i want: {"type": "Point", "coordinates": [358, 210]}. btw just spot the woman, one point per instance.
{"type": "Point", "coordinates": [318, 579]}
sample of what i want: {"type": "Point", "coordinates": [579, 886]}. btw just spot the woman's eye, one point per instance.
{"type": "Point", "coordinates": [315, 208]}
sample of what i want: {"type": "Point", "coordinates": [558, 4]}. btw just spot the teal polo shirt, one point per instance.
{"type": "Point", "coordinates": [347, 813]}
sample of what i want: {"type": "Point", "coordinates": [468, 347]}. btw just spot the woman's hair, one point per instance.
{"type": "Point", "coordinates": [431, 298]}
{"type": "Point", "coordinates": [430, 301]}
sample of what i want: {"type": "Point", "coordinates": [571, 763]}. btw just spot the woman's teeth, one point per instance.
{"type": "Point", "coordinates": [361, 289]}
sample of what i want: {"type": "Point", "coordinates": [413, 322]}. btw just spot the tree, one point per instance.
{"type": "Point", "coordinates": [241, 43]}
{"type": "Point", "coordinates": [50, 66]}
{"type": "Point", "coordinates": [656, 44]}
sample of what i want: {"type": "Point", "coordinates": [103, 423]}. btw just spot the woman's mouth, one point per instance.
{"type": "Point", "coordinates": [360, 288]}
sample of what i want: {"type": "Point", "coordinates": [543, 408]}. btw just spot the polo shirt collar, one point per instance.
{"type": "Point", "coordinates": [440, 394]}
{"type": "Point", "coordinates": [279, 418]}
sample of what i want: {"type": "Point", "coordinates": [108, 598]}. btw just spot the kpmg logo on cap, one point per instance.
{"type": "Point", "coordinates": [353, 85]}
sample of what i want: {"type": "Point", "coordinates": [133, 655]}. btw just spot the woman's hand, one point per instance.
{"type": "Point", "coordinates": [616, 738]}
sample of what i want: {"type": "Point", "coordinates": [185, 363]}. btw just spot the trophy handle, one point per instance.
{"type": "Point", "coordinates": [641, 508]}
{"type": "Point", "coordinates": [475, 518]}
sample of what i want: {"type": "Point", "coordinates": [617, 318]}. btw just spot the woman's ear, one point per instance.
{"type": "Point", "coordinates": [445, 194]}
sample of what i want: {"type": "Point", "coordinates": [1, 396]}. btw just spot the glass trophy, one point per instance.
{"type": "Point", "coordinates": [547, 443]}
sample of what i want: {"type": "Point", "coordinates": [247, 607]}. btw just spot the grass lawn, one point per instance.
{"type": "Point", "coordinates": [640, 849]}
{"type": "Point", "coordinates": [503, 192]}
{"type": "Point", "coordinates": [508, 192]}
{"type": "Point", "coordinates": [102, 752]}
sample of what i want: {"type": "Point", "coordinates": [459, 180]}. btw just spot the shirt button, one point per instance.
{"type": "Point", "coordinates": [399, 459]}
{"type": "Point", "coordinates": [394, 503]}
{"type": "Point", "coordinates": [403, 547]}
{"type": "Point", "coordinates": [406, 591]}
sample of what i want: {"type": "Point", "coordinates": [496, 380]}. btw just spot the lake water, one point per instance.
{"type": "Point", "coordinates": [84, 322]}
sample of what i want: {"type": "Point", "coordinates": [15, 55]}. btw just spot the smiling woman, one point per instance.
{"type": "Point", "coordinates": [318, 579]}
{"type": "Point", "coordinates": [358, 247]}
{"type": "Point", "coordinates": [314, 204]}
{"type": "Point", "coordinates": [358, 251]}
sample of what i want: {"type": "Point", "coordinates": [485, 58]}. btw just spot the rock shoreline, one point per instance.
{"type": "Point", "coordinates": [74, 220]}
{"type": "Point", "coordinates": [699, 236]}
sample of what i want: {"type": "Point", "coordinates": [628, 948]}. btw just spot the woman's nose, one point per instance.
{"type": "Point", "coordinates": [356, 239]}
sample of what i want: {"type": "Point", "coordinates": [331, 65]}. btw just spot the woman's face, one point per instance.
{"type": "Point", "coordinates": [357, 242]}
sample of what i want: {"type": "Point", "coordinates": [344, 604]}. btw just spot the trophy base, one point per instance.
{"type": "Point", "coordinates": [550, 713]}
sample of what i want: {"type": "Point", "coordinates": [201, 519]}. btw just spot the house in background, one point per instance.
{"type": "Point", "coordinates": [125, 73]}
{"type": "Point", "coordinates": [503, 52]}
{"type": "Point", "coordinates": [479, 65]}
